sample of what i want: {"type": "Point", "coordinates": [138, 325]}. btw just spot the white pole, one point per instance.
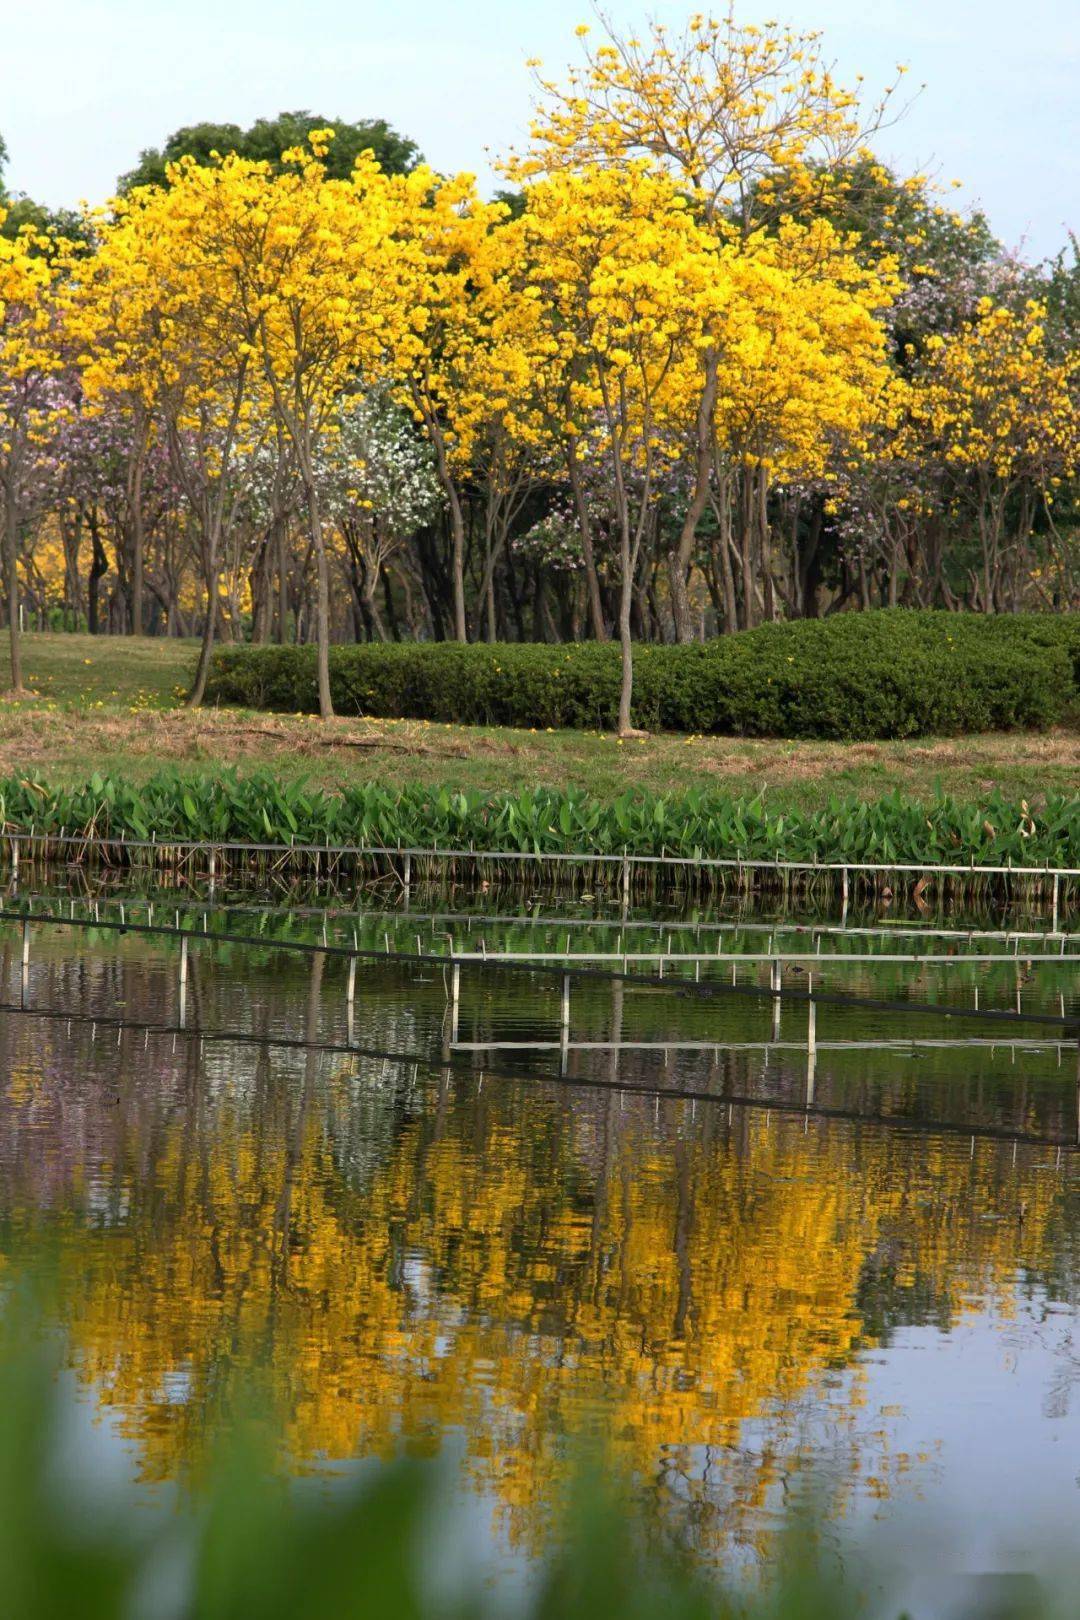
{"type": "Point", "coordinates": [183, 981]}
{"type": "Point", "coordinates": [811, 1045]}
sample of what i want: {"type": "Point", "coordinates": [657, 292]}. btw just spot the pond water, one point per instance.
{"type": "Point", "coordinates": [742, 1254]}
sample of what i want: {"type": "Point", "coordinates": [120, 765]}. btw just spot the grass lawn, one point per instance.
{"type": "Point", "coordinates": [113, 705]}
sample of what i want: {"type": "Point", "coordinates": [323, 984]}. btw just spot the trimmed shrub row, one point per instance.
{"type": "Point", "coordinates": [259, 807]}
{"type": "Point", "coordinates": [856, 676]}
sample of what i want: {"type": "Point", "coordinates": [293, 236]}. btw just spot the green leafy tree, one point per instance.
{"type": "Point", "coordinates": [267, 138]}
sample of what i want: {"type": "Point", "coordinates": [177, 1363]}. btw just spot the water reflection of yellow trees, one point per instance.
{"type": "Point", "coordinates": [517, 1271]}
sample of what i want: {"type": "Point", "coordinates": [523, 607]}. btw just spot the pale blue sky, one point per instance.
{"type": "Point", "coordinates": [84, 84]}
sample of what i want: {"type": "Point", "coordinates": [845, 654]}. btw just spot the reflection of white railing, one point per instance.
{"type": "Point", "coordinates": [896, 1045]}
{"type": "Point", "coordinates": [580, 966]}
{"type": "Point", "coordinates": [174, 850]}
{"type": "Point", "coordinates": [453, 1047]}
{"type": "Point", "coordinates": [441, 924]}
{"type": "Point", "coordinates": [847, 958]}
{"type": "Point", "coordinates": [441, 921]}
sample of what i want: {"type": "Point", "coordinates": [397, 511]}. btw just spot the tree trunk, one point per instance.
{"type": "Point", "coordinates": [71, 534]}
{"type": "Point", "coordinates": [592, 581]}
{"type": "Point", "coordinates": [388, 598]}
{"type": "Point", "coordinates": [746, 548]}
{"type": "Point", "coordinates": [99, 566]}
{"type": "Point", "coordinates": [11, 569]}
{"type": "Point", "coordinates": [626, 593]}
{"type": "Point", "coordinates": [369, 585]}
{"type": "Point", "coordinates": [493, 545]}
{"type": "Point", "coordinates": [457, 530]}
{"type": "Point", "coordinates": [681, 557]}
{"type": "Point", "coordinates": [261, 600]}
{"type": "Point", "coordinates": [137, 541]}
{"type": "Point", "coordinates": [768, 587]}
{"type": "Point", "coordinates": [198, 688]}
{"type": "Point", "coordinates": [457, 524]}
{"type": "Point", "coordinates": [283, 584]}
{"type": "Point", "coordinates": [322, 599]}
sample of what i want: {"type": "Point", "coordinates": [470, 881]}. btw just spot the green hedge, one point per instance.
{"type": "Point", "coordinates": [856, 676]}
{"type": "Point", "coordinates": [259, 807]}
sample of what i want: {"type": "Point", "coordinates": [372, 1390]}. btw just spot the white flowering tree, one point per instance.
{"type": "Point", "coordinates": [379, 485]}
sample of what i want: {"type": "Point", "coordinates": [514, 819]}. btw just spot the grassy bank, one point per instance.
{"type": "Point", "coordinates": [112, 705]}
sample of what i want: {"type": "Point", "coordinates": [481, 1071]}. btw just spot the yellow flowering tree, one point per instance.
{"type": "Point", "coordinates": [745, 119]}
{"type": "Point", "coordinates": [316, 283]}
{"type": "Point", "coordinates": [29, 355]}
{"type": "Point", "coordinates": [803, 376]}
{"type": "Point", "coordinates": [155, 312]}
{"type": "Point", "coordinates": [626, 284]}
{"type": "Point", "coordinates": [447, 273]}
{"type": "Point", "coordinates": [1003, 414]}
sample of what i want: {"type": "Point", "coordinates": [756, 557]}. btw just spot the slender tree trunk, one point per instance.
{"type": "Point", "coordinates": [725, 547]}
{"type": "Point", "coordinates": [457, 523]}
{"type": "Point", "coordinates": [746, 548]}
{"type": "Point", "coordinates": [627, 561]}
{"type": "Point", "coordinates": [202, 670]}
{"type": "Point", "coordinates": [494, 538]}
{"type": "Point", "coordinates": [71, 534]}
{"type": "Point", "coordinates": [592, 581]}
{"type": "Point", "coordinates": [489, 603]}
{"type": "Point", "coordinates": [681, 557]}
{"type": "Point", "coordinates": [261, 603]}
{"type": "Point", "coordinates": [808, 566]}
{"type": "Point", "coordinates": [626, 595]}
{"type": "Point", "coordinates": [11, 569]}
{"type": "Point", "coordinates": [768, 587]}
{"type": "Point", "coordinates": [547, 620]}
{"type": "Point", "coordinates": [388, 598]}
{"type": "Point", "coordinates": [370, 585]}
{"type": "Point", "coordinates": [99, 566]}
{"type": "Point", "coordinates": [629, 546]}
{"type": "Point", "coordinates": [137, 543]}
{"type": "Point", "coordinates": [283, 583]}
{"type": "Point", "coordinates": [322, 598]}
{"type": "Point", "coordinates": [457, 531]}
{"type": "Point", "coordinates": [864, 584]}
